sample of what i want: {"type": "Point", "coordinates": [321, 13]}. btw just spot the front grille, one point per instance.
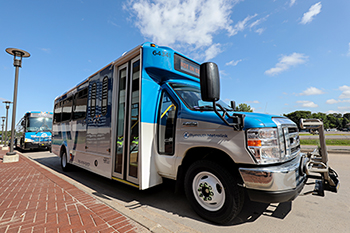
{"type": "Point", "coordinates": [292, 141]}
{"type": "Point", "coordinates": [288, 137]}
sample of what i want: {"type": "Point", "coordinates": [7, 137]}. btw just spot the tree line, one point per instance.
{"type": "Point", "coordinates": [330, 121]}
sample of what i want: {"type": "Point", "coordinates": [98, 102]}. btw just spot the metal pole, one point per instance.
{"type": "Point", "coordinates": [6, 122]}
{"type": "Point", "coordinates": [17, 63]}
{"type": "Point", "coordinates": [2, 128]}
{"type": "Point", "coordinates": [13, 125]}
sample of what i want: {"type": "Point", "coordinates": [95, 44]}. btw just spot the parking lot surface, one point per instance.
{"type": "Point", "coordinates": [161, 209]}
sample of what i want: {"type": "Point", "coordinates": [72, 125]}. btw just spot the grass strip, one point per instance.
{"type": "Point", "coordinates": [327, 134]}
{"type": "Point", "coordinates": [329, 142]}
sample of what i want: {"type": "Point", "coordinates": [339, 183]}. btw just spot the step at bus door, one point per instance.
{"type": "Point", "coordinates": [126, 153]}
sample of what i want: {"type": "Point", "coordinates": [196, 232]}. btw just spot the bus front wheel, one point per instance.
{"type": "Point", "coordinates": [64, 162]}
{"type": "Point", "coordinates": [213, 192]}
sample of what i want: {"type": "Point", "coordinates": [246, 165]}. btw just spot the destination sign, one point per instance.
{"type": "Point", "coordinates": [186, 66]}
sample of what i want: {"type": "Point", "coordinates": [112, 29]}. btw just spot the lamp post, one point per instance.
{"type": "Point", "coordinates": [18, 54]}
{"type": "Point", "coordinates": [2, 129]}
{"type": "Point", "coordinates": [7, 104]}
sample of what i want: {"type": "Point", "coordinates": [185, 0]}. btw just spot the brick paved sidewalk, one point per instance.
{"type": "Point", "coordinates": [32, 199]}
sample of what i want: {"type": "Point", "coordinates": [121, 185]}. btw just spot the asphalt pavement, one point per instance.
{"type": "Point", "coordinates": [34, 197]}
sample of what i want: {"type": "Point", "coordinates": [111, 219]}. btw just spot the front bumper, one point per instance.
{"type": "Point", "coordinates": [275, 184]}
{"type": "Point", "coordinates": [39, 145]}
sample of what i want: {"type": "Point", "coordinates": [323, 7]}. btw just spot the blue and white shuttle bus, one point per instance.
{"type": "Point", "coordinates": [34, 131]}
{"type": "Point", "coordinates": [154, 113]}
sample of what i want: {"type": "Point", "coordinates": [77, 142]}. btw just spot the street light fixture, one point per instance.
{"type": "Point", "coordinates": [18, 54]}
{"type": "Point", "coordinates": [2, 129]}
{"type": "Point", "coordinates": [7, 104]}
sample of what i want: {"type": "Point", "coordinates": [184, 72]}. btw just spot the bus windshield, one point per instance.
{"type": "Point", "coordinates": [191, 96]}
{"type": "Point", "coordinates": [37, 124]}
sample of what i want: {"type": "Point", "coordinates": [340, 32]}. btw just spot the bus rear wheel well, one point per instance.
{"type": "Point", "coordinates": [209, 154]}
{"type": "Point", "coordinates": [62, 150]}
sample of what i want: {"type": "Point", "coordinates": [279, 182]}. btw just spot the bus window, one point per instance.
{"type": "Point", "coordinates": [80, 104]}
{"type": "Point", "coordinates": [120, 121]}
{"type": "Point", "coordinates": [166, 125]}
{"type": "Point", "coordinates": [67, 109]}
{"type": "Point", "coordinates": [93, 100]}
{"type": "Point", "coordinates": [134, 120]}
{"type": "Point", "coordinates": [104, 96]}
{"type": "Point", "coordinates": [57, 112]}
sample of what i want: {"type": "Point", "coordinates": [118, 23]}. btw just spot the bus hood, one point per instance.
{"type": "Point", "coordinates": [259, 120]}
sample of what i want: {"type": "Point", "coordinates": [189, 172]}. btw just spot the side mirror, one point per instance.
{"type": "Point", "coordinates": [210, 81]}
{"type": "Point", "coordinates": [233, 105]}
{"type": "Point", "coordinates": [23, 123]}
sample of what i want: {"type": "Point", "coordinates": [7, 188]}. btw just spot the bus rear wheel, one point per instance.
{"type": "Point", "coordinates": [213, 192]}
{"type": "Point", "coordinates": [64, 162]}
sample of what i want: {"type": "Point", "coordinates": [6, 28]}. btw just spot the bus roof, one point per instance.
{"type": "Point", "coordinates": [38, 112]}
{"type": "Point", "coordinates": [126, 57]}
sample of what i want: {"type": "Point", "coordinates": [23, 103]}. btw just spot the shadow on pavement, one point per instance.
{"type": "Point", "coordinates": [161, 197]}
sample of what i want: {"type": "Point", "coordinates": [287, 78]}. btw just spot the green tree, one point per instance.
{"type": "Point", "coordinates": [323, 117]}
{"type": "Point", "coordinates": [297, 115]}
{"type": "Point", "coordinates": [244, 108]}
{"type": "Point", "coordinates": [335, 120]}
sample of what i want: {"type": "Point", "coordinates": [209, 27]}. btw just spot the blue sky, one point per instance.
{"type": "Point", "coordinates": [278, 56]}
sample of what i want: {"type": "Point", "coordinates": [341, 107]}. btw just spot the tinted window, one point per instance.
{"type": "Point", "coordinates": [80, 104]}
{"type": "Point", "coordinates": [57, 113]}
{"type": "Point", "coordinates": [166, 127]}
{"type": "Point", "coordinates": [104, 96]}
{"type": "Point", "coordinates": [93, 100]}
{"type": "Point", "coordinates": [67, 109]}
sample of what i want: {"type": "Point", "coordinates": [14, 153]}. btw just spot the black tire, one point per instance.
{"type": "Point", "coordinates": [213, 192]}
{"type": "Point", "coordinates": [64, 162]}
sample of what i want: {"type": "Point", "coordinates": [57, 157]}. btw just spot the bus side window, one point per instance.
{"type": "Point", "coordinates": [93, 100]}
{"type": "Point", "coordinates": [67, 109]}
{"type": "Point", "coordinates": [166, 125]}
{"type": "Point", "coordinates": [57, 113]}
{"type": "Point", "coordinates": [80, 104]}
{"type": "Point", "coordinates": [104, 96]}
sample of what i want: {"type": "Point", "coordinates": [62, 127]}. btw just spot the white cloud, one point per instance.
{"type": "Point", "coordinates": [344, 108]}
{"type": "Point", "coordinates": [332, 111]}
{"type": "Point", "coordinates": [190, 22]}
{"type": "Point", "coordinates": [253, 102]}
{"type": "Point", "coordinates": [292, 2]}
{"type": "Point", "coordinates": [312, 91]}
{"type": "Point", "coordinates": [260, 31]}
{"type": "Point", "coordinates": [346, 92]}
{"type": "Point", "coordinates": [46, 50]}
{"type": "Point", "coordinates": [286, 62]}
{"type": "Point", "coordinates": [212, 51]}
{"type": "Point", "coordinates": [332, 101]}
{"type": "Point", "coordinates": [233, 62]}
{"type": "Point", "coordinates": [259, 21]}
{"type": "Point", "coordinates": [241, 25]}
{"type": "Point", "coordinates": [256, 23]}
{"type": "Point", "coordinates": [307, 104]}
{"type": "Point", "coordinates": [313, 11]}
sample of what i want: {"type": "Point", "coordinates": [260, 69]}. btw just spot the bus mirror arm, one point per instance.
{"type": "Point", "coordinates": [237, 119]}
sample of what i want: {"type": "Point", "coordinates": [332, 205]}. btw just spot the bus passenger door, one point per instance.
{"type": "Point", "coordinates": [126, 152]}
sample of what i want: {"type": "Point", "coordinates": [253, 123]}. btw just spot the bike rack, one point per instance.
{"type": "Point", "coordinates": [318, 161]}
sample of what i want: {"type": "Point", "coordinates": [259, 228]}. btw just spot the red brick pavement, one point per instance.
{"type": "Point", "coordinates": [32, 199]}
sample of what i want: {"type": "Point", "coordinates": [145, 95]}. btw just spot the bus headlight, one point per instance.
{"type": "Point", "coordinates": [263, 144]}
